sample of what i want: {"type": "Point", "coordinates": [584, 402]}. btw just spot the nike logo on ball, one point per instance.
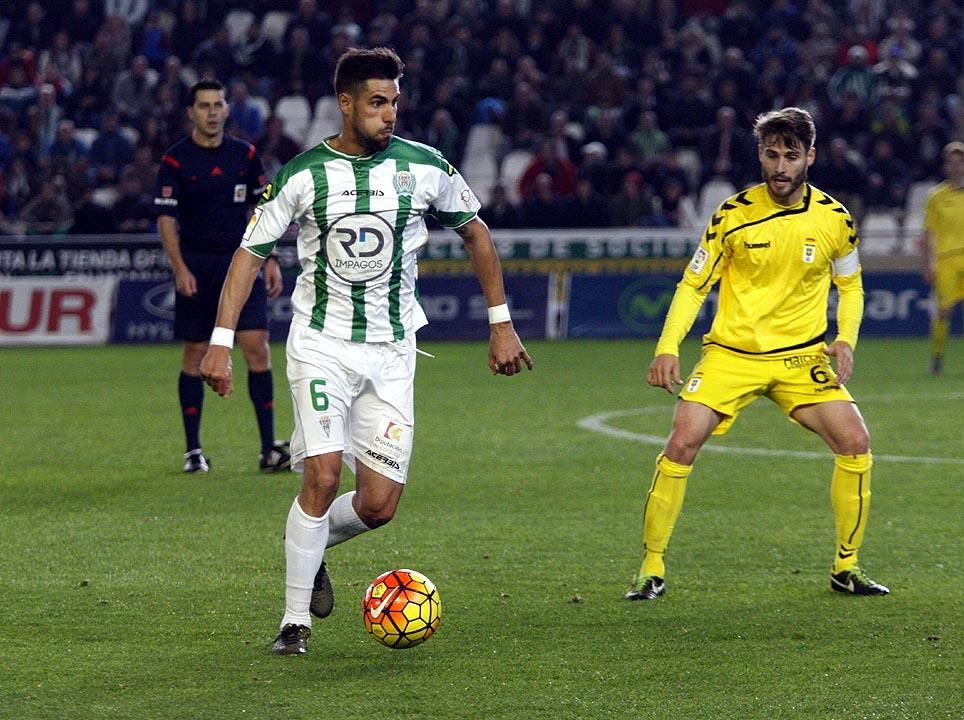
{"type": "Point", "coordinates": [380, 608]}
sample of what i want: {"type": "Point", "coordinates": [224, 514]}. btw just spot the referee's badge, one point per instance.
{"type": "Point", "coordinates": [240, 193]}
{"type": "Point", "coordinates": [404, 183]}
{"type": "Point", "coordinates": [809, 252]}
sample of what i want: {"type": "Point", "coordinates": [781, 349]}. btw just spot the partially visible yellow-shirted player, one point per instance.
{"type": "Point", "coordinates": [943, 246]}
{"type": "Point", "coordinates": [774, 249]}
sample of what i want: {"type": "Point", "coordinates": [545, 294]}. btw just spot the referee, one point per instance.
{"type": "Point", "coordinates": [206, 187]}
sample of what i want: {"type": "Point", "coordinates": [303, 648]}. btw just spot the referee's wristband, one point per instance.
{"type": "Point", "coordinates": [222, 336]}
{"type": "Point", "coordinates": [499, 314]}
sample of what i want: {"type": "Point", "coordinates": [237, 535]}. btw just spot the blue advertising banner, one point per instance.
{"type": "Point", "coordinates": [617, 306]}
{"type": "Point", "coordinates": [145, 312]}
{"type": "Point", "coordinates": [456, 308]}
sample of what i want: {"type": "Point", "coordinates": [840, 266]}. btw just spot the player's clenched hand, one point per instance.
{"type": "Point", "coordinates": [216, 369]}
{"type": "Point", "coordinates": [185, 282]}
{"type": "Point", "coordinates": [664, 372]}
{"type": "Point", "coordinates": [506, 352]}
{"type": "Point", "coordinates": [845, 360]}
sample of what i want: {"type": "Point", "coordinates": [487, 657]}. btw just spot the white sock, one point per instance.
{"type": "Point", "coordinates": [305, 539]}
{"type": "Point", "coordinates": [343, 521]}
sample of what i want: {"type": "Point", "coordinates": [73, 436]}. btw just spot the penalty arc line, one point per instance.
{"type": "Point", "coordinates": [598, 423]}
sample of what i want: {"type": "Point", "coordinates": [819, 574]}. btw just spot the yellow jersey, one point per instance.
{"type": "Point", "coordinates": [774, 265]}
{"type": "Point", "coordinates": [944, 220]}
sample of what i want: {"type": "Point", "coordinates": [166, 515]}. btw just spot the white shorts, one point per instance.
{"type": "Point", "coordinates": [354, 398]}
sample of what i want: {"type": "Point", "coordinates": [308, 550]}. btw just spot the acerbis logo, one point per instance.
{"type": "Point", "coordinates": [159, 301]}
{"type": "Point", "coordinates": [360, 247]}
{"type": "Point", "coordinates": [643, 304]}
{"type": "Point", "coordinates": [369, 193]}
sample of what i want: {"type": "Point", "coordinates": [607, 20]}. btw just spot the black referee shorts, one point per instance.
{"type": "Point", "coordinates": [194, 317]}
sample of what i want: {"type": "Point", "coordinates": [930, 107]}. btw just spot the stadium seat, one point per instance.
{"type": "Point", "coordinates": [711, 195]}
{"type": "Point", "coordinates": [295, 114]}
{"type": "Point", "coordinates": [880, 233]}
{"type": "Point", "coordinates": [237, 22]}
{"type": "Point", "coordinates": [513, 165]}
{"type": "Point", "coordinates": [914, 211]}
{"type": "Point", "coordinates": [484, 139]}
{"type": "Point", "coordinates": [481, 173]}
{"type": "Point", "coordinates": [274, 24]}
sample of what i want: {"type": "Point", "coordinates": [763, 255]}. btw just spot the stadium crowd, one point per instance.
{"type": "Point", "coordinates": [623, 110]}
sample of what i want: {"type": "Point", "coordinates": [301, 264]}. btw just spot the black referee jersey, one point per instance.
{"type": "Point", "coordinates": [209, 191]}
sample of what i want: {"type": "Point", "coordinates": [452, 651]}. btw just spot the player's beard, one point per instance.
{"type": "Point", "coordinates": [372, 143]}
{"type": "Point", "coordinates": [795, 182]}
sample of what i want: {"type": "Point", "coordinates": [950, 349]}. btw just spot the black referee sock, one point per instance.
{"type": "Point", "coordinates": [261, 391]}
{"type": "Point", "coordinates": [190, 391]}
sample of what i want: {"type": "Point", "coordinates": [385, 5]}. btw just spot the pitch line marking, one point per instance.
{"type": "Point", "coordinates": [598, 423]}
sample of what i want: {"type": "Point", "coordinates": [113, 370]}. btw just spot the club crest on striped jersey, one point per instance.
{"type": "Point", "coordinates": [404, 182]}
{"type": "Point", "coordinates": [359, 247]}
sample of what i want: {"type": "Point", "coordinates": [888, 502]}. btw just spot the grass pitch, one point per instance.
{"type": "Point", "coordinates": [130, 590]}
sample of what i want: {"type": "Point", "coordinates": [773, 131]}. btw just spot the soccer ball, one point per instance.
{"type": "Point", "coordinates": [401, 608]}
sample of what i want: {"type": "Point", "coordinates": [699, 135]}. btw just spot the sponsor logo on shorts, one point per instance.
{"type": "Point", "coordinates": [384, 459]}
{"type": "Point", "coordinates": [799, 361]}
{"type": "Point", "coordinates": [694, 384]}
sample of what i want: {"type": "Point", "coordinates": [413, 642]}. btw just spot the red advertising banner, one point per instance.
{"type": "Point", "coordinates": [56, 310]}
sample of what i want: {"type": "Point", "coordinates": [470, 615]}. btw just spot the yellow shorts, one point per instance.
{"type": "Point", "coordinates": [949, 282]}
{"type": "Point", "coordinates": [728, 381]}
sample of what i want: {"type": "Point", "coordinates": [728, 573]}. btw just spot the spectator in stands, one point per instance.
{"type": "Point", "coordinates": [33, 29]}
{"type": "Point", "coordinates": [726, 150]}
{"type": "Point", "coordinates": [736, 68]}
{"type": "Point", "coordinates": [561, 172]}
{"type": "Point", "coordinates": [132, 95]}
{"type": "Point", "coordinates": [19, 188]}
{"type": "Point", "coordinates": [901, 36]}
{"type": "Point", "coordinates": [632, 206]}
{"type": "Point", "coordinates": [930, 134]}
{"type": "Point", "coordinates": [939, 71]}
{"type": "Point", "coordinates": [887, 177]}
{"type": "Point", "coordinates": [44, 117]}
{"type": "Point", "coordinates": [890, 121]}
{"type": "Point", "coordinates": [111, 151]}
{"type": "Point", "coordinates": [274, 147]}
{"type": "Point", "coordinates": [134, 207]}
{"type": "Point", "coordinates": [687, 110]}
{"type": "Point", "coordinates": [254, 54]}
{"type": "Point", "coordinates": [133, 12]}
{"type": "Point", "coordinates": [740, 26]}
{"type": "Point", "coordinates": [500, 211]}
{"type": "Point", "coordinates": [673, 208]}
{"type": "Point", "coordinates": [190, 31]}
{"type": "Point", "coordinates": [314, 21]}
{"type": "Point", "coordinates": [82, 21]}
{"type": "Point", "coordinates": [49, 213]}
{"type": "Point", "coordinates": [90, 99]}
{"type": "Point", "coordinates": [542, 208]}
{"type": "Point", "coordinates": [607, 128]}
{"type": "Point", "coordinates": [443, 134]}
{"type": "Point", "coordinates": [840, 175]}
{"type": "Point", "coordinates": [854, 79]}
{"type": "Point", "coordinates": [18, 93]}
{"type": "Point", "coordinates": [525, 117]}
{"type": "Point", "coordinates": [586, 208]}
{"type": "Point", "coordinates": [851, 121]}
{"type": "Point", "coordinates": [64, 57]}
{"type": "Point", "coordinates": [606, 87]}
{"type": "Point", "coordinates": [152, 42]}
{"type": "Point", "coordinates": [895, 75]}
{"type": "Point", "coordinates": [214, 57]}
{"type": "Point", "coordinates": [345, 23]}
{"type": "Point", "coordinates": [648, 140]}
{"type": "Point", "coordinates": [245, 120]}
{"type": "Point", "coordinates": [90, 216]}
{"type": "Point", "coordinates": [67, 155]}
{"type": "Point", "coordinates": [303, 65]}
{"type": "Point", "coordinates": [143, 166]}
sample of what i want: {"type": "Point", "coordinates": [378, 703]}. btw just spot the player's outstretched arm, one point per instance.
{"type": "Point", "coordinates": [664, 372]}
{"type": "Point", "coordinates": [507, 354]}
{"type": "Point", "coordinates": [216, 363]}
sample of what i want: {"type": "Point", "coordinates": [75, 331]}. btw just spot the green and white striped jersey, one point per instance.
{"type": "Point", "coordinates": [362, 221]}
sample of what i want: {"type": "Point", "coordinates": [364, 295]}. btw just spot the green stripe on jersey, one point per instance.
{"type": "Point", "coordinates": [395, 281]}
{"type": "Point", "coordinates": [320, 277]}
{"type": "Point", "coordinates": [363, 204]}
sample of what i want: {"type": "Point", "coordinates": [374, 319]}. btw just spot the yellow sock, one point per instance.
{"type": "Point", "coordinates": [850, 498]}
{"type": "Point", "coordinates": [663, 503]}
{"type": "Point", "coordinates": [939, 331]}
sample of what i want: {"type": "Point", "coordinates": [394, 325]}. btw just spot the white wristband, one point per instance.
{"type": "Point", "coordinates": [222, 336]}
{"type": "Point", "coordinates": [499, 314]}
